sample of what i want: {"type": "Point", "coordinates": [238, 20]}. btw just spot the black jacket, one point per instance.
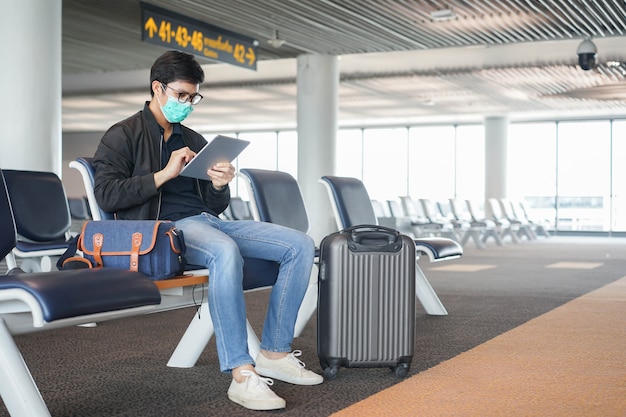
{"type": "Point", "coordinates": [126, 159]}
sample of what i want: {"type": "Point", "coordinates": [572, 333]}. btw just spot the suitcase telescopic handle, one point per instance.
{"type": "Point", "coordinates": [373, 238]}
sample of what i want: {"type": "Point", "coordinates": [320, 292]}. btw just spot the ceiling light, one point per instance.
{"type": "Point", "coordinates": [442, 15]}
{"type": "Point", "coordinates": [275, 42]}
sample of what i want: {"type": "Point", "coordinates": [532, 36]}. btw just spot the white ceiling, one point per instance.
{"type": "Point", "coordinates": [513, 57]}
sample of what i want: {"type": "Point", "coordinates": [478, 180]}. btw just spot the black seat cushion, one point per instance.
{"type": "Point", "coordinates": [79, 292]}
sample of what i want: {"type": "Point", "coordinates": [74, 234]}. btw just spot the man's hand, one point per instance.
{"type": "Point", "coordinates": [221, 174]}
{"type": "Point", "coordinates": [178, 159]}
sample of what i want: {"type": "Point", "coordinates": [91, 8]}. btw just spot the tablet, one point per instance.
{"type": "Point", "coordinates": [220, 149]}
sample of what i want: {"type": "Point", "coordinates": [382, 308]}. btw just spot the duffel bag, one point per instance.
{"type": "Point", "coordinates": [156, 248]}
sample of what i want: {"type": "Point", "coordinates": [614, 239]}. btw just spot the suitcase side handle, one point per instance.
{"type": "Point", "coordinates": [373, 238]}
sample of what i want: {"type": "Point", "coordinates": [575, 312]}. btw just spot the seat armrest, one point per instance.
{"type": "Point", "coordinates": [438, 248]}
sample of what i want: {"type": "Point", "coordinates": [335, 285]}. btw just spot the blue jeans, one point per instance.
{"type": "Point", "coordinates": [219, 245]}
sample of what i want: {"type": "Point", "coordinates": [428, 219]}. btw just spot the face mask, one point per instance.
{"type": "Point", "coordinates": [175, 112]}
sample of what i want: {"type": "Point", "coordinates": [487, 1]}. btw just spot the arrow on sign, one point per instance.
{"type": "Point", "coordinates": [250, 56]}
{"type": "Point", "coordinates": [151, 27]}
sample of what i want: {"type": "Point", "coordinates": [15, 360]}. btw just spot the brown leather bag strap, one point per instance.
{"type": "Point", "coordinates": [98, 241]}
{"type": "Point", "coordinates": [172, 235]}
{"type": "Point", "coordinates": [134, 254]}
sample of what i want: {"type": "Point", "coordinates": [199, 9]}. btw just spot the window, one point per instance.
{"type": "Point", "coordinates": [470, 163]}
{"type": "Point", "coordinates": [384, 163]}
{"type": "Point", "coordinates": [583, 176]}
{"type": "Point", "coordinates": [262, 151]}
{"type": "Point", "coordinates": [431, 162]}
{"type": "Point", "coordinates": [349, 151]}
{"type": "Point", "coordinates": [532, 168]}
{"type": "Point", "coordinates": [267, 150]}
{"type": "Point", "coordinates": [287, 152]}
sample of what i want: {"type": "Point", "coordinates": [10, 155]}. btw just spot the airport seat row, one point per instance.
{"type": "Point", "coordinates": [461, 220]}
{"type": "Point", "coordinates": [27, 305]}
{"type": "Point", "coordinates": [276, 198]}
{"type": "Point", "coordinates": [444, 249]}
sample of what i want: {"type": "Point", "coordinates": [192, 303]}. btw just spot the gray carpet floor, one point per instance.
{"type": "Point", "coordinates": [118, 368]}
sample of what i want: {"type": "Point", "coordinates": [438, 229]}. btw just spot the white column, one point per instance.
{"type": "Point", "coordinates": [496, 140]}
{"type": "Point", "coordinates": [30, 41]}
{"type": "Point", "coordinates": [318, 104]}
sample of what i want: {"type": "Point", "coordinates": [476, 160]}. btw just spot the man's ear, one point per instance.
{"type": "Point", "coordinates": [156, 87]}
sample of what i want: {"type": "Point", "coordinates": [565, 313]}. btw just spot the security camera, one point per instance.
{"type": "Point", "coordinates": [587, 55]}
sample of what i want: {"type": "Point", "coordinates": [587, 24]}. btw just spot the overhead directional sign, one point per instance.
{"type": "Point", "coordinates": [163, 27]}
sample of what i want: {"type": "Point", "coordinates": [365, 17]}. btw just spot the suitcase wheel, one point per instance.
{"type": "Point", "coordinates": [402, 370]}
{"type": "Point", "coordinates": [331, 372]}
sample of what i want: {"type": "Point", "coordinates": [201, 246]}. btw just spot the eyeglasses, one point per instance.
{"type": "Point", "coordinates": [185, 97]}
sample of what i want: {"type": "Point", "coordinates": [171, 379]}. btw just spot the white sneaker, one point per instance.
{"type": "Point", "coordinates": [289, 369]}
{"type": "Point", "coordinates": [254, 393]}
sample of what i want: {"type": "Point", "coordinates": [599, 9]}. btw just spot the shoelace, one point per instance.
{"type": "Point", "coordinates": [263, 382]}
{"type": "Point", "coordinates": [294, 357]}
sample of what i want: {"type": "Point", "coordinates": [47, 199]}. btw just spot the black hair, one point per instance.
{"type": "Point", "coordinates": [175, 66]}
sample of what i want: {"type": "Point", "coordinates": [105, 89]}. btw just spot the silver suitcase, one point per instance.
{"type": "Point", "coordinates": [366, 303]}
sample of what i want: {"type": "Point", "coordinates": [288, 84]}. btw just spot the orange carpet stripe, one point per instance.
{"type": "Point", "coordinates": [569, 362]}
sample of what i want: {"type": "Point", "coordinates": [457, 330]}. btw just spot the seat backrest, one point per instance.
{"type": "Point", "coordinates": [380, 209]}
{"type": "Point", "coordinates": [430, 210]}
{"type": "Point", "coordinates": [474, 211]}
{"type": "Point", "coordinates": [413, 209]}
{"type": "Point", "coordinates": [7, 224]}
{"type": "Point", "coordinates": [79, 208]}
{"type": "Point", "coordinates": [518, 211]}
{"type": "Point", "coordinates": [495, 209]}
{"type": "Point", "coordinates": [40, 207]}
{"type": "Point", "coordinates": [443, 208]}
{"type": "Point", "coordinates": [524, 211]}
{"type": "Point", "coordinates": [239, 209]}
{"type": "Point", "coordinates": [351, 202]}
{"type": "Point", "coordinates": [459, 210]}
{"type": "Point", "coordinates": [508, 210]}
{"type": "Point", "coordinates": [275, 197]}
{"type": "Point", "coordinates": [87, 171]}
{"type": "Point", "coordinates": [396, 209]}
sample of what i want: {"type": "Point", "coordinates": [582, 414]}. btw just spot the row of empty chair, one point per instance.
{"type": "Point", "coordinates": [276, 197]}
{"type": "Point", "coordinates": [26, 304]}
{"type": "Point", "coordinates": [267, 209]}
{"type": "Point", "coordinates": [47, 239]}
{"type": "Point", "coordinates": [461, 220]}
